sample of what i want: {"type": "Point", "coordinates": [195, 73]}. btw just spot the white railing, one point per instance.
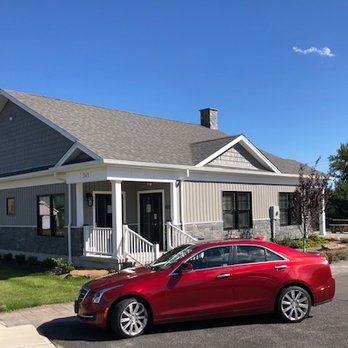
{"type": "Point", "coordinates": [176, 236]}
{"type": "Point", "coordinates": [138, 248]}
{"type": "Point", "coordinates": [97, 241]}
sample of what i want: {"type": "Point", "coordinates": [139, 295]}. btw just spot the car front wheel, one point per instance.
{"type": "Point", "coordinates": [294, 304]}
{"type": "Point", "coordinates": [129, 318]}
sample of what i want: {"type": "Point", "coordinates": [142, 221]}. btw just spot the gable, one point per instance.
{"type": "Point", "coordinates": [26, 143]}
{"type": "Point", "coordinates": [237, 157]}
{"type": "Point", "coordinates": [78, 156]}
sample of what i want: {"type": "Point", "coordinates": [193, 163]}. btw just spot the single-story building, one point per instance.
{"type": "Point", "coordinates": [82, 181]}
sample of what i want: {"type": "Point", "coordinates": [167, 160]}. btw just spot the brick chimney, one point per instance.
{"type": "Point", "coordinates": [209, 118]}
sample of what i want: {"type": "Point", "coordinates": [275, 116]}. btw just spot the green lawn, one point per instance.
{"type": "Point", "coordinates": [22, 286]}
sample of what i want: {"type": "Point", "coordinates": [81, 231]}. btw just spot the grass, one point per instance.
{"type": "Point", "coordinates": [23, 286]}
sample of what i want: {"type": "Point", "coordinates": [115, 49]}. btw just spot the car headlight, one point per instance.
{"type": "Point", "coordinates": [99, 294]}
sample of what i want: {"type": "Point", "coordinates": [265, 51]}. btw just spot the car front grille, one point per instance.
{"type": "Point", "coordinates": [83, 293]}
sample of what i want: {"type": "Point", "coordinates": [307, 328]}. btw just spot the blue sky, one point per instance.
{"type": "Point", "coordinates": [172, 58]}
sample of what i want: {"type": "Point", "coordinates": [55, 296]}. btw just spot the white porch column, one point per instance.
{"type": "Point", "coordinates": [117, 219]}
{"type": "Point", "coordinates": [174, 203]}
{"type": "Point", "coordinates": [69, 225]}
{"type": "Point", "coordinates": [79, 205]}
{"type": "Point", "coordinates": [322, 222]}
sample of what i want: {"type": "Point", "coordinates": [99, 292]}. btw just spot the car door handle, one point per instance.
{"type": "Point", "coordinates": [223, 275]}
{"type": "Point", "coordinates": [280, 267]}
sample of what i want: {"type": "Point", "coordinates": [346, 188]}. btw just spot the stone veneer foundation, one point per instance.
{"type": "Point", "coordinates": [214, 230]}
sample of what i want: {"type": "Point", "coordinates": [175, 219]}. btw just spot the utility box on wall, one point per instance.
{"type": "Point", "coordinates": [274, 212]}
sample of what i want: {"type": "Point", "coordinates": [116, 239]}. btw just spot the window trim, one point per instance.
{"type": "Point", "coordinates": [236, 212]}
{"type": "Point", "coordinates": [8, 212]}
{"type": "Point", "coordinates": [53, 227]}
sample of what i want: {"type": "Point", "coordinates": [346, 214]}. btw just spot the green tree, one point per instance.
{"type": "Point", "coordinates": [339, 171]}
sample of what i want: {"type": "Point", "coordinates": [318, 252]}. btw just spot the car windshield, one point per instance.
{"type": "Point", "coordinates": [172, 256]}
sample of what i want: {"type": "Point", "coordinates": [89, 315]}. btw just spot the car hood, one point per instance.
{"type": "Point", "coordinates": [121, 277]}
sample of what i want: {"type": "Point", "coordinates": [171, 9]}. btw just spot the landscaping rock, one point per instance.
{"type": "Point", "coordinates": [89, 273]}
{"type": "Point", "coordinates": [332, 246]}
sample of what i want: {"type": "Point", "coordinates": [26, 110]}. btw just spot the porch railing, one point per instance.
{"type": "Point", "coordinates": [98, 241]}
{"type": "Point", "coordinates": [138, 248]}
{"type": "Point", "coordinates": [176, 236]}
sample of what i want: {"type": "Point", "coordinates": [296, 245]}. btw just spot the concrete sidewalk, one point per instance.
{"type": "Point", "coordinates": [22, 336]}
{"type": "Point", "coordinates": [18, 328]}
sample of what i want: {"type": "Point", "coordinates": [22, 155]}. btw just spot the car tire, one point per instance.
{"type": "Point", "coordinates": [294, 304]}
{"type": "Point", "coordinates": [129, 318]}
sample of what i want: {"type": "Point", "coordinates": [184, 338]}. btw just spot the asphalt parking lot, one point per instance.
{"type": "Point", "coordinates": [326, 327]}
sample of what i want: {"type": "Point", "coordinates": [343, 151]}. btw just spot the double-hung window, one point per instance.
{"type": "Point", "coordinates": [236, 210]}
{"type": "Point", "coordinates": [51, 210]}
{"type": "Point", "coordinates": [289, 214]}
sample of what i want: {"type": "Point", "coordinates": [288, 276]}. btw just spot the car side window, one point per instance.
{"type": "Point", "coordinates": [212, 257]}
{"type": "Point", "coordinates": [270, 256]}
{"type": "Point", "coordinates": [251, 254]}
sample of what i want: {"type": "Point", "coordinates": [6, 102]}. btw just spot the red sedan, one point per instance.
{"type": "Point", "coordinates": [208, 280]}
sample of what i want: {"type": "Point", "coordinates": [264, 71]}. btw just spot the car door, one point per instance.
{"type": "Point", "coordinates": [205, 290]}
{"type": "Point", "coordinates": [257, 276]}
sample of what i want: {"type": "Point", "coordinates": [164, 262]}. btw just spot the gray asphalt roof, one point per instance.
{"type": "Point", "coordinates": [114, 134]}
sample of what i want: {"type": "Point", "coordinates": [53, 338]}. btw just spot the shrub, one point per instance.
{"type": "Point", "coordinates": [60, 266]}
{"type": "Point", "coordinates": [315, 240]}
{"type": "Point", "coordinates": [32, 260]}
{"type": "Point", "coordinates": [8, 257]}
{"type": "Point", "coordinates": [290, 243]}
{"type": "Point", "coordinates": [20, 259]}
{"type": "Point", "coordinates": [334, 256]}
{"type": "Point", "coordinates": [49, 264]}
{"type": "Point", "coordinates": [312, 241]}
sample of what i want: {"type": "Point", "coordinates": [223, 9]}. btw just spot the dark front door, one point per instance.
{"type": "Point", "coordinates": [151, 217]}
{"type": "Point", "coordinates": [103, 210]}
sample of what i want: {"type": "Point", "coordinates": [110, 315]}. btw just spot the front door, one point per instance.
{"type": "Point", "coordinates": [103, 210]}
{"type": "Point", "coordinates": [151, 217]}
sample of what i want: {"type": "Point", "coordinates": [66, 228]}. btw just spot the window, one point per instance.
{"type": "Point", "coordinates": [210, 258]}
{"type": "Point", "coordinates": [236, 210]}
{"type": "Point", "coordinates": [288, 214]}
{"type": "Point", "coordinates": [51, 215]}
{"type": "Point", "coordinates": [251, 254]}
{"type": "Point", "coordinates": [10, 206]}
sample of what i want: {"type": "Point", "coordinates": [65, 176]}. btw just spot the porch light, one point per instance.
{"type": "Point", "coordinates": [89, 199]}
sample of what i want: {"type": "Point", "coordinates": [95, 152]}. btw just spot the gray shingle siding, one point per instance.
{"type": "Point", "coordinates": [27, 143]}
{"type": "Point", "coordinates": [26, 201]}
{"type": "Point", "coordinates": [237, 157]}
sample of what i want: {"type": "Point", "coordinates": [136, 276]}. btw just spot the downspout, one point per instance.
{"type": "Point", "coordinates": [69, 224]}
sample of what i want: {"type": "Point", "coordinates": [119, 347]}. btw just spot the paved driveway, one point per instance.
{"type": "Point", "coordinates": [327, 327]}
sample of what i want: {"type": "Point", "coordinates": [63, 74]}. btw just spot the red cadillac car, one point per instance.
{"type": "Point", "coordinates": [208, 280]}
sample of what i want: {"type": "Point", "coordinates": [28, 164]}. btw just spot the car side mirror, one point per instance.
{"type": "Point", "coordinates": [185, 267]}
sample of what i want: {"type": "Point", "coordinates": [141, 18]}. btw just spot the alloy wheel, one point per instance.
{"type": "Point", "coordinates": [133, 318]}
{"type": "Point", "coordinates": [295, 304]}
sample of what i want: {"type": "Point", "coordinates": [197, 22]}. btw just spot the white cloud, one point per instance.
{"type": "Point", "coordinates": [324, 52]}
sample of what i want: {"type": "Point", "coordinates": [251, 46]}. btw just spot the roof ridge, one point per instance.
{"type": "Point", "coordinates": [105, 108]}
{"type": "Point", "coordinates": [216, 139]}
